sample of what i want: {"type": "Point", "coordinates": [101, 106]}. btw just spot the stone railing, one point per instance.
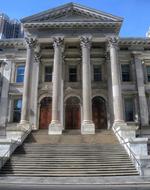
{"type": "Point", "coordinates": [14, 138]}
{"type": "Point", "coordinates": [135, 147]}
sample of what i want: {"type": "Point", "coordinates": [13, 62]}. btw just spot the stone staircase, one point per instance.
{"type": "Point", "coordinates": [70, 155]}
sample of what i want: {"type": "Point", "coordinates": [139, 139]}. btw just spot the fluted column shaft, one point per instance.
{"type": "Point", "coordinates": [55, 126]}
{"type": "Point", "coordinates": [86, 86]}
{"type": "Point", "coordinates": [116, 83]}
{"type": "Point", "coordinates": [56, 79]}
{"type": "Point", "coordinates": [144, 117]}
{"type": "Point", "coordinates": [86, 80]}
{"type": "Point", "coordinates": [26, 88]}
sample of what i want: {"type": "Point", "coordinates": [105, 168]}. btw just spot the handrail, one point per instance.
{"type": "Point", "coordinates": [4, 158]}
{"type": "Point", "coordinates": [131, 152]}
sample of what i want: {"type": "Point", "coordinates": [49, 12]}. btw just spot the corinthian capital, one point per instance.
{"type": "Point", "coordinates": [31, 41]}
{"type": "Point", "coordinates": [58, 42]}
{"type": "Point", "coordinates": [37, 53]}
{"type": "Point", "coordinates": [112, 41]}
{"type": "Point", "coordinates": [85, 41]}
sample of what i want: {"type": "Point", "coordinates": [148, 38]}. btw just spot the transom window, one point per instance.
{"type": "Point", "coordinates": [48, 74]}
{"type": "Point", "coordinates": [20, 74]}
{"type": "Point", "coordinates": [73, 74]}
{"type": "Point", "coordinates": [97, 73]}
{"type": "Point", "coordinates": [17, 110]}
{"type": "Point", "coordinates": [129, 109]}
{"type": "Point", "coordinates": [148, 73]}
{"type": "Point", "coordinates": [125, 72]}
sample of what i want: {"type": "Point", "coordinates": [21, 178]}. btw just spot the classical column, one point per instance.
{"type": "Point", "coordinates": [87, 126]}
{"type": "Point", "coordinates": [116, 83]}
{"type": "Point", "coordinates": [27, 75]}
{"type": "Point", "coordinates": [144, 118]}
{"type": "Point", "coordinates": [55, 126]}
{"type": "Point", "coordinates": [4, 96]}
{"type": "Point", "coordinates": [34, 87]}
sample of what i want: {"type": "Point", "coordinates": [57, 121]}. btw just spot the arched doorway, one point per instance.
{"type": "Point", "coordinates": [99, 113]}
{"type": "Point", "coordinates": [72, 113]}
{"type": "Point", "coordinates": [45, 112]}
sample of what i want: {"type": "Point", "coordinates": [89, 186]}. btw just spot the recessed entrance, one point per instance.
{"type": "Point", "coordinates": [99, 113]}
{"type": "Point", "coordinates": [72, 113]}
{"type": "Point", "coordinates": [45, 112]}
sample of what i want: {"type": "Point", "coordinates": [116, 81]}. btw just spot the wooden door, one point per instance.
{"type": "Point", "coordinates": [72, 114]}
{"type": "Point", "coordinates": [45, 113]}
{"type": "Point", "coordinates": [99, 113]}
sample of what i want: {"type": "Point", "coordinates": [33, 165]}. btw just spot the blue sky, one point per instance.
{"type": "Point", "coordinates": [136, 13]}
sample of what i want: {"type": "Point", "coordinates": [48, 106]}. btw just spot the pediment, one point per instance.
{"type": "Point", "coordinates": [71, 13]}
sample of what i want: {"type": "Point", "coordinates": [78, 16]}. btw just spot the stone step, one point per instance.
{"type": "Point", "coordinates": [69, 162]}
{"type": "Point", "coordinates": [55, 165]}
{"type": "Point", "coordinates": [70, 159]}
{"type": "Point", "coordinates": [72, 155]}
{"type": "Point", "coordinates": [71, 175]}
{"type": "Point", "coordinates": [69, 171]}
{"type": "Point", "coordinates": [69, 168]}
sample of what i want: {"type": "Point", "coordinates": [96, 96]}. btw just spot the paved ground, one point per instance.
{"type": "Point", "coordinates": [74, 187]}
{"type": "Point", "coordinates": [115, 183]}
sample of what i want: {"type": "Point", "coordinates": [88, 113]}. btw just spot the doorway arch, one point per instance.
{"type": "Point", "coordinates": [99, 113]}
{"type": "Point", "coordinates": [72, 113]}
{"type": "Point", "coordinates": [45, 112]}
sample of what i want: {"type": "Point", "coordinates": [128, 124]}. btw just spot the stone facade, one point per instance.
{"type": "Point", "coordinates": [73, 36]}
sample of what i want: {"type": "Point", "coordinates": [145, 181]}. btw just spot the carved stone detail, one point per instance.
{"type": "Point", "coordinates": [85, 41]}
{"type": "Point", "coordinates": [31, 41]}
{"type": "Point", "coordinates": [37, 53]}
{"type": "Point", "coordinates": [58, 42]}
{"type": "Point", "coordinates": [113, 42]}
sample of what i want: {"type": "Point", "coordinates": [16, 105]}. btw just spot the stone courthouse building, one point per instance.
{"type": "Point", "coordinates": [72, 75]}
{"type": "Point", "coordinates": [73, 71]}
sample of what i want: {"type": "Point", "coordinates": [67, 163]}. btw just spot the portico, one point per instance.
{"type": "Point", "coordinates": [85, 91]}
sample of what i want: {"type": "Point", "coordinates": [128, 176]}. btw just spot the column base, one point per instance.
{"type": "Point", "coordinates": [121, 123]}
{"type": "Point", "coordinates": [24, 125]}
{"type": "Point", "coordinates": [87, 127]}
{"type": "Point", "coordinates": [55, 128]}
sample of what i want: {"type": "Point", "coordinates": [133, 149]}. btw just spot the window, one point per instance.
{"type": "Point", "coordinates": [97, 73]}
{"type": "Point", "coordinates": [20, 73]}
{"type": "Point", "coordinates": [72, 74]}
{"type": "Point", "coordinates": [148, 73]}
{"type": "Point", "coordinates": [125, 72]}
{"type": "Point", "coordinates": [48, 74]}
{"type": "Point", "coordinates": [129, 109]}
{"type": "Point", "coordinates": [17, 110]}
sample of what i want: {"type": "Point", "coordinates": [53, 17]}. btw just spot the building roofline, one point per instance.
{"type": "Point", "coordinates": [120, 19]}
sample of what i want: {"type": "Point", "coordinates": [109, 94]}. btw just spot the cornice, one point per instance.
{"type": "Point", "coordinates": [12, 43]}
{"type": "Point", "coordinates": [134, 41]}
{"type": "Point", "coordinates": [37, 25]}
